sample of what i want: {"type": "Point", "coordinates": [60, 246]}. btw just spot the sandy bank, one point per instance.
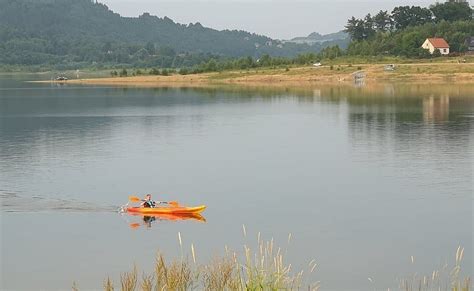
{"type": "Point", "coordinates": [301, 76]}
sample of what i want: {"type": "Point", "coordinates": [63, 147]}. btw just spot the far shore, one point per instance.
{"type": "Point", "coordinates": [426, 73]}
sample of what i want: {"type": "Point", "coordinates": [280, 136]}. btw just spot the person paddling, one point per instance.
{"type": "Point", "coordinates": [148, 203]}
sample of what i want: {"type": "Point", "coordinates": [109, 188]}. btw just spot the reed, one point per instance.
{"type": "Point", "coordinates": [129, 280]}
{"type": "Point", "coordinates": [264, 268]}
{"type": "Point", "coordinates": [177, 275]}
{"type": "Point", "coordinates": [108, 285]}
{"type": "Point", "coordinates": [447, 278]}
{"type": "Point", "coordinates": [220, 274]}
{"type": "Point", "coordinates": [147, 282]}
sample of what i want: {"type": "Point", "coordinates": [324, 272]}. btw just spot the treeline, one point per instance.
{"type": "Point", "coordinates": [38, 53]}
{"type": "Point", "coordinates": [408, 42]}
{"type": "Point", "coordinates": [244, 63]}
{"type": "Point", "coordinates": [267, 61]}
{"type": "Point", "coordinates": [403, 31]}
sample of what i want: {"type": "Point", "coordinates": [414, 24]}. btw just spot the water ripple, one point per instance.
{"type": "Point", "coordinates": [15, 202]}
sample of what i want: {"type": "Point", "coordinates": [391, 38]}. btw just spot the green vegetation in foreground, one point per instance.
{"type": "Point", "coordinates": [263, 269]}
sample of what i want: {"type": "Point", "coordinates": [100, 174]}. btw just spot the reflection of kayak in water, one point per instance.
{"type": "Point", "coordinates": [172, 216]}
{"type": "Point", "coordinates": [173, 210]}
{"type": "Point", "coordinates": [149, 218]}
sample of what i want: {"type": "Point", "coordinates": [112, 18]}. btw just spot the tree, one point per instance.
{"type": "Point", "coordinates": [141, 54]}
{"type": "Point", "coordinates": [107, 47]}
{"type": "Point", "coordinates": [331, 52]}
{"type": "Point", "coordinates": [451, 11]}
{"type": "Point", "coordinates": [211, 66]}
{"type": "Point", "coordinates": [167, 51]}
{"type": "Point", "coordinates": [368, 24]}
{"type": "Point", "coordinates": [361, 29]}
{"type": "Point", "coordinates": [355, 29]}
{"type": "Point", "coordinates": [150, 47]}
{"type": "Point", "coordinates": [154, 71]}
{"type": "Point", "coordinates": [382, 21]}
{"type": "Point", "coordinates": [405, 16]}
{"type": "Point", "coordinates": [265, 60]}
{"type": "Point", "coordinates": [123, 73]}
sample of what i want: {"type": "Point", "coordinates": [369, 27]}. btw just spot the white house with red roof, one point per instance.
{"type": "Point", "coordinates": [433, 44]}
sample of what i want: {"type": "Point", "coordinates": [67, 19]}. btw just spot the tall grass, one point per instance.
{"type": "Point", "coordinates": [176, 275]}
{"type": "Point", "coordinates": [446, 278]}
{"type": "Point", "coordinates": [129, 280]}
{"type": "Point", "coordinates": [263, 268]}
{"type": "Point", "coordinates": [108, 285]}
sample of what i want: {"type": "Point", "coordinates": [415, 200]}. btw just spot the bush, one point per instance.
{"type": "Point", "coordinates": [154, 71]}
{"type": "Point", "coordinates": [124, 73]}
{"type": "Point", "coordinates": [436, 53]}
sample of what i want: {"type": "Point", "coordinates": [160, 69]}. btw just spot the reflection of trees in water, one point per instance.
{"type": "Point", "coordinates": [411, 114]}
{"type": "Point", "coordinates": [37, 119]}
{"type": "Point", "coordinates": [415, 135]}
{"type": "Point", "coordinates": [435, 109]}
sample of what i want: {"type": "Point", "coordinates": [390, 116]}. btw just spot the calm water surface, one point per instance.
{"type": "Point", "coordinates": [363, 178]}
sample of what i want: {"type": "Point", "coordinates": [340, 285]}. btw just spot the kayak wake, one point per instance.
{"type": "Point", "coordinates": [15, 202]}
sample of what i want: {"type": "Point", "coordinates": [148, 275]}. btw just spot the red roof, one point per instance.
{"type": "Point", "coordinates": [439, 42]}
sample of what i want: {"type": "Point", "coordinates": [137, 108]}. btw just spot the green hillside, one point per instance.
{"type": "Point", "coordinates": [84, 32]}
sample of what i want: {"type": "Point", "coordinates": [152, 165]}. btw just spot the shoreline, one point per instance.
{"type": "Point", "coordinates": [424, 73]}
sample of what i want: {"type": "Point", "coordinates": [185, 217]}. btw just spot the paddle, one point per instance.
{"type": "Point", "coordinates": [136, 199]}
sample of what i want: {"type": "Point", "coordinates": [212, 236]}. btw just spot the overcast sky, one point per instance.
{"type": "Point", "coordinates": [274, 18]}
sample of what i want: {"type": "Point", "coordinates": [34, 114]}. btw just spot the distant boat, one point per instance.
{"type": "Point", "coordinates": [61, 78]}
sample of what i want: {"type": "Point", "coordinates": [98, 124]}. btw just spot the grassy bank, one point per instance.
{"type": "Point", "coordinates": [334, 73]}
{"type": "Point", "coordinates": [263, 269]}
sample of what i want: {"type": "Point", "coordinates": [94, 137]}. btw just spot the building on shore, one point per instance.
{"type": "Point", "coordinates": [433, 44]}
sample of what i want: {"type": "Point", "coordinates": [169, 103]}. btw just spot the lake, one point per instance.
{"type": "Point", "coordinates": [363, 178]}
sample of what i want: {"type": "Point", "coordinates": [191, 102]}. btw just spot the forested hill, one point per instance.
{"type": "Point", "coordinates": [73, 31]}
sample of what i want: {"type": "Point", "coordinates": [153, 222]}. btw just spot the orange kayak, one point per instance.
{"type": "Point", "coordinates": [166, 210]}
